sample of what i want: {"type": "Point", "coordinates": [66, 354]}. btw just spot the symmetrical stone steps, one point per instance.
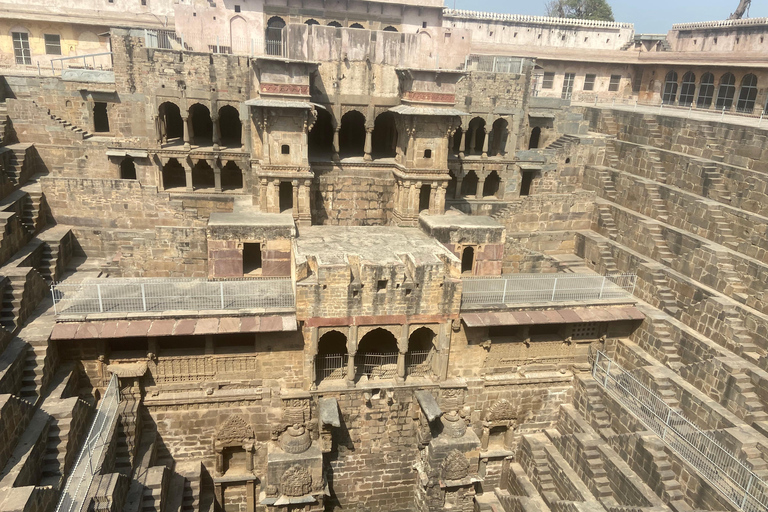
{"type": "Point", "coordinates": [34, 373]}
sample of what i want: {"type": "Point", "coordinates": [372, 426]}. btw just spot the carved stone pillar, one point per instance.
{"type": "Point", "coordinates": [440, 199]}
{"type": "Point", "coordinates": [367, 149]}
{"type": "Point", "coordinates": [216, 166]}
{"type": "Point", "coordinates": [480, 185]}
{"type": "Point", "coordinates": [485, 142]}
{"type": "Point", "coordinates": [432, 206]}
{"type": "Point", "coordinates": [263, 191]}
{"type": "Point", "coordinates": [186, 131]}
{"type": "Point", "coordinates": [457, 192]}
{"type": "Point", "coordinates": [401, 366]}
{"type": "Point", "coordinates": [463, 142]}
{"type": "Point", "coordinates": [188, 173]}
{"type": "Point", "coordinates": [270, 206]}
{"type": "Point", "coordinates": [413, 199]}
{"type": "Point", "coordinates": [336, 157]}
{"type": "Point", "coordinates": [472, 141]}
{"type": "Point", "coordinates": [313, 337]}
{"type": "Point", "coordinates": [351, 369]}
{"type": "Point", "coordinates": [216, 132]}
{"type": "Point", "coordinates": [295, 192]}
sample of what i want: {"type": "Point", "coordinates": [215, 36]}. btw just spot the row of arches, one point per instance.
{"type": "Point", "coordinates": [273, 36]}
{"type": "Point", "coordinates": [202, 176]}
{"type": "Point", "coordinates": [684, 92]}
{"type": "Point", "coordinates": [472, 140]}
{"type": "Point", "coordinates": [470, 186]}
{"type": "Point", "coordinates": [376, 357]}
{"type": "Point", "coordinates": [201, 130]}
{"type": "Point", "coordinates": [352, 136]}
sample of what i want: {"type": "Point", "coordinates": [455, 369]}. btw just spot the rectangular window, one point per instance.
{"type": "Point", "coordinates": [525, 183]}
{"type": "Point", "coordinates": [589, 83]}
{"type": "Point", "coordinates": [615, 81]}
{"type": "Point", "coordinates": [21, 48]}
{"type": "Point", "coordinates": [549, 81]}
{"type": "Point", "coordinates": [251, 258]}
{"type": "Point", "coordinates": [52, 44]}
{"type": "Point", "coordinates": [568, 85]}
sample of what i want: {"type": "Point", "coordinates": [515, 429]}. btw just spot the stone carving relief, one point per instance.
{"type": "Point", "coordinates": [235, 433]}
{"type": "Point", "coordinates": [501, 416]}
{"type": "Point", "coordinates": [293, 434]}
{"type": "Point", "coordinates": [455, 466]}
{"type": "Point", "coordinates": [455, 417]}
{"type": "Point", "coordinates": [296, 481]}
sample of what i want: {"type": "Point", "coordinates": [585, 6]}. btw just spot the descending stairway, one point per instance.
{"type": "Point", "coordinates": [84, 134]}
{"type": "Point", "coordinates": [563, 141]}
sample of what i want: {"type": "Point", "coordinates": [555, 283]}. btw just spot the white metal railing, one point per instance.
{"type": "Point", "coordinates": [493, 64]}
{"type": "Point", "coordinates": [756, 112]}
{"type": "Point", "coordinates": [376, 366]}
{"type": "Point", "coordinates": [418, 363]}
{"type": "Point", "coordinates": [89, 62]}
{"type": "Point", "coordinates": [164, 39]}
{"type": "Point", "coordinates": [537, 288]}
{"type": "Point", "coordinates": [89, 460]}
{"type": "Point", "coordinates": [715, 463]}
{"type": "Point", "coordinates": [136, 295]}
{"type": "Point", "coordinates": [331, 366]}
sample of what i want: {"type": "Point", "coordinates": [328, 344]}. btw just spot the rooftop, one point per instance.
{"type": "Point", "coordinates": [332, 245]}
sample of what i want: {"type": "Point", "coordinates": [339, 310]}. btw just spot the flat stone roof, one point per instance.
{"type": "Point", "coordinates": [373, 244]}
{"type": "Point", "coordinates": [250, 218]}
{"type": "Point", "coordinates": [460, 221]}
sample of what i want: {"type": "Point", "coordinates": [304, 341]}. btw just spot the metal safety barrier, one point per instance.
{"type": "Point", "coordinates": [89, 62]}
{"type": "Point", "coordinates": [89, 460]}
{"type": "Point", "coordinates": [538, 288]}
{"type": "Point", "coordinates": [376, 366]}
{"type": "Point", "coordinates": [493, 64]}
{"type": "Point", "coordinates": [136, 295]}
{"type": "Point", "coordinates": [332, 366]}
{"type": "Point", "coordinates": [715, 463]}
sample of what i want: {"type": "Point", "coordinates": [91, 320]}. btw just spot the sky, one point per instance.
{"type": "Point", "coordinates": [649, 16]}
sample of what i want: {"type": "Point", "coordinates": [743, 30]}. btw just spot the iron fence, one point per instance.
{"type": "Point", "coordinates": [715, 463]}
{"type": "Point", "coordinates": [493, 64]}
{"type": "Point", "coordinates": [331, 366]}
{"type": "Point", "coordinates": [711, 110]}
{"type": "Point", "coordinates": [89, 460]}
{"type": "Point", "coordinates": [537, 288]}
{"type": "Point", "coordinates": [90, 61]}
{"type": "Point", "coordinates": [376, 366]}
{"type": "Point", "coordinates": [164, 40]}
{"type": "Point", "coordinates": [136, 295]}
{"type": "Point", "coordinates": [418, 363]}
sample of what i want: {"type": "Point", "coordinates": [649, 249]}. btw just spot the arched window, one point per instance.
{"type": "Point", "coordinates": [231, 177]}
{"type": "Point", "coordinates": [421, 351]}
{"type": "Point", "coordinates": [230, 127]}
{"type": "Point", "coordinates": [356, 25]}
{"type": "Point", "coordinates": [384, 136]}
{"type": "Point", "coordinates": [533, 143]}
{"type": "Point", "coordinates": [688, 89]}
{"type": "Point", "coordinates": [311, 21]}
{"type": "Point", "coordinates": [127, 169]}
{"type": "Point", "coordinates": [334, 24]}
{"type": "Point", "coordinates": [498, 142]}
{"type": "Point", "coordinates": [747, 94]}
{"type": "Point", "coordinates": [274, 35]}
{"type": "Point", "coordinates": [706, 91]}
{"type": "Point", "coordinates": [670, 88]}
{"type": "Point", "coordinates": [475, 136]}
{"type": "Point", "coordinates": [170, 124]}
{"type": "Point", "coordinates": [352, 134]}
{"type": "Point", "coordinates": [320, 139]}
{"type": "Point", "coordinates": [174, 175]}
{"type": "Point", "coordinates": [202, 126]}
{"type": "Point", "coordinates": [390, 28]}
{"type": "Point", "coordinates": [203, 176]}
{"type": "Point", "coordinates": [331, 359]}
{"type": "Point", "coordinates": [467, 260]}
{"type": "Point", "coordinates": [491, 185]}
{"type": "Point", "coordinates": [376, 356]}
{"type": "Point", "coordinates": [469, 184]}
{"type": "Point", "coordinates": [726, 92]}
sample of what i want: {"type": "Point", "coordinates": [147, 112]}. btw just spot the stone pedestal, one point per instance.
{"type": "Point", "coordinates": [293, 479]}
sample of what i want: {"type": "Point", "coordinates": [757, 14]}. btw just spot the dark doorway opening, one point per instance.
{"type": "Point", "coordinates": [384, 136]}
{"type": "Point", "coordinates": [203, 176]}
{"type": "Point", "coordinates": [100, 117]}
{"type": "Point", "coordinates": [467, 260]}
{"type": "Point", "coordinates": [174, 175]}
{"type": "Point", "coordinates": [286, 196]}
{"type": "Point", "coordinates": [320, 140]}
{"type": "Point", "coordinates": [202, 126]}
{"type": "Point", "coordinates": [424, 194]}
{"type": "Point", "coordinates": [231, 177]}
{"type": "Point", "coordinates": [469, 184]}
{"type": "Point", "coordinates": [352, 134]}
{"type": "Point", "coordinates": [127, 169]}
{"type": "Point", "coordinates": [251, 258]}
{"type": "Point", "coordinates": [231, 128]}
{"type": "Point", "coordinates": [533, 143]}
{"type": "Point", "coordinates": [491, 185]}
{"type": "Point", "coordinates": [525, 183]}
{"type": "Point", "coordinates": [171, 124]}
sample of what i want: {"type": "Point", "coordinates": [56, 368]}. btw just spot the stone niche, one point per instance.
{"type": "Point", "coordinates": [235, 481]}
{"type": "Point", "coordinates": [250, 244]}
{"type": "Point", "coordinates": [294, 460]}
{"type": "Point", "coordinates": [477, 240]}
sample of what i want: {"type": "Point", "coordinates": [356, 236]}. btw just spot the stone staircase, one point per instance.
{"type": "Point", "coordinates": [11, 302]}
{"type": "Point", "coordinates": [667, 300]}
{"type": "Point", "coordinates": [663, 254]}
{"type": "Point", "coordinates": [563, 141]}
{"type": "Point", "coordinates": [606, 183]}
{"type": "Point", "coordinates": [658, 171]}
{"type": "Point", "coordinates": [714, 185]}
{"type": "Point", "coordinates": [16, 162]}
{"type": "Point", "coordinates": [668, 346]}
{"type": "Point", "coordinates": [126, 436]}
{"type": "Point", "coordinates": [82, 134]}
{"type": "Point", "coordinates": [34, 373]}
{"type": "Point", "coordinates": [606, 220]}
{"type": "Point", "coordinates": [655, 136]}
{"type": "Point", "coordinates": [723, 228]}
{"type": "Point", "coordinates": [3, 121]}
{"type": "Point", "coordinates": [657, 203]}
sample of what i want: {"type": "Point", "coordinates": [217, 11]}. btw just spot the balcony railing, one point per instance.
{"type": "Point", "coordinates": [332, 366]}
{"type": "Point", "coordinates": [714, 462]}
{"type": "Point", "coordinates": [89, 460]}
{"type": "Point", "coordinates": [138, 295]}
{"type": "Point", "coordinates": [541, 288]}
{"type": "Point", "coordinates": [376, 366]}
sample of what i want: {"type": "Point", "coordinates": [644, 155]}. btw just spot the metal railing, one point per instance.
{"type": "Point", "coordinates": [136, 295]}
{"type": "Point", "coordinates": [538, 288]}
{"type": "Point", "coordinates": [164, 40]}
{"type": "Point", "coordinates": [493, 64]}
{"type": "Point", "coordinates": [75, 62]}
{"type": "Point", "coordinates": [376, 366]}
{"type": "Point", "coordinates": [755, 112]}
{"type": "Point", "coordinates": [418, 363]}
{"type": "Point", "coordinates": [89, 460]}
{"type": "Point", "coordinates": [715, 463]}
{"type": "Point", "coordinates": [331, 366]}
